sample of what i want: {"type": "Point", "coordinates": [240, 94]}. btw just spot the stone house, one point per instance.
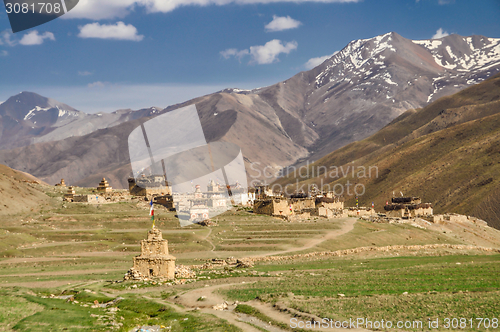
{"type": "Point", "coordinates": [149, 186]}
{"type": "Point", "coordinates": [407, 207]}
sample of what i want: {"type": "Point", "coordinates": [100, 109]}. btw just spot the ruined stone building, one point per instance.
{"type": "Point", "coordinates": [323, 205]}
{"type": "Point", "coordinates": [166, 201]}
{"type": "Point", "coordinates": [360, 211]}
{"type": "Point", "coordinates": [104, 187]}
{"type": "Point", "coordinates": [61, 184]}
{"type": "Point", "coordinates": [271, 206]}
{"type": "Point", "coordinates": [328, 206]}
{"type": "Point", "coordinates": [149, 186]}
{"type": "Point", "coordinates": [154, 260]}
{"type": "Point", "coordinates": [70, 194]}
{"type": "Point", "coordinates": [263, 191]}
{"type": "Point", "coordinates": [90, 199]}
{"type": "Point", "coordinates": [407, 207]}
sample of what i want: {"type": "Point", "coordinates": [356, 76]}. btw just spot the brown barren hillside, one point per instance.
{"type": "Point", "coordinates": [20, 192]}
{"type": "Point", "coordinates": [448, 153]}
{"type": "Point", "coordinates": [347, 98]}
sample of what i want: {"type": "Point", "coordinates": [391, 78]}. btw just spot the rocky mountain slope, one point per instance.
{"type": "Point", "coordinates": [371, 81]}
{"type": "Point", "coordinates": [28, 118]}
{"type": "Point", "coordinates": [347, 98]}
{"type": "Point", "coordinates": [20, 192]}
{"type": "Point", "coordinates": [448, 153]}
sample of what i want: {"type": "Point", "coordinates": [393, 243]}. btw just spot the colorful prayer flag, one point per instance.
{"type": "Point", "coordinates": [152, 212]}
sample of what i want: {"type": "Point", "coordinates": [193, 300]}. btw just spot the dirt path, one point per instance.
{"type": "Point", "coordinates": [208, 240]}
{"type": "Point", "coordinates": [346, 227]}
{"type": "Point", "coordinates": [72, 256]}
{"type": "Point", "coordinates": [191, 299]}
{"type": "Point", "coordinates": [61, 273]}
{"type": "Point", "coordinates": [284, 318]}
{"type": "Point", "coordinates": [35, 260]}
{"type": "Point", "coordinates": [230, 317]}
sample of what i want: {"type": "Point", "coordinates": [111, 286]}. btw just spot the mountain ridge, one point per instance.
{"type": "Point", "coordinates": [347, 98]}
{"type": "Point", "coordinates": [29, 118]}
{"type": "Point", "coordinates": [448, 153]}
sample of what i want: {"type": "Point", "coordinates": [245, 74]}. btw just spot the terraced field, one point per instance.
{"type": "Point", "coordinates": [64, 257]}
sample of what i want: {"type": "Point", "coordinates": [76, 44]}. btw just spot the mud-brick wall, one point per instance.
{"type": "Point", "coordinates": [271, 207]}
{"type": "Point", "coordinates": [303, 204]}
{"type": "Point", "coordinates": [331, 206]}
{"type": "Point", "coordinates": [149, 248]}
{"type": "Point", "coordinates": [155, 267]}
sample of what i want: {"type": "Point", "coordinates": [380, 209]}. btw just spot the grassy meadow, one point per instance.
{"type": "Point", "coordinates": [56, 263]}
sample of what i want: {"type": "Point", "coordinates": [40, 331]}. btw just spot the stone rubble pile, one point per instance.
{"type": "Point", "coordinates": [207, 222]}
{"type": "Point", "coordinates": [184, 272]}
{"type": "Point", "coordinates": [229, 262]}
{"type": "Point", "coordinates": [345, 252]}
{"type": "Point", "coordinates": [133, 274]}
{"type": "Point", "coordinates": [249, 262]}
{"type": "Point", "coordinates": [222, 306]}
{"type": "Point", "coordinates": [244, 263]}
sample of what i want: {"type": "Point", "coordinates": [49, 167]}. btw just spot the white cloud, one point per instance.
{"type": "Point", "coordinates": [314, 62]}
{"type": "Point", "coordinates": [269, 52]}
{"type": "Point", "coordinates": [234, 52]}
{"type": "Point", "coordinates": [282, 23]}
{"type": "Point", "coordinates": [5, 38]}
{"type": "Point", "coordinates": [119, 31]}
{"type": "Point", "coordinates": [109, 9]}
{"type": "Point", "coordinates": [441, 2]}
{"type": "Point", "coordinates": [34, 38]}
{"type": "Point", "coordinates": [262, 54]}
{"type": "Point", "coordinates": [4, 53]}
{"type": "Point", "coordinates": [97, 84]}
{"type": "Point", "coordinates": [85, 73]}
{"type": "Point", "coordinates": [440, 34]}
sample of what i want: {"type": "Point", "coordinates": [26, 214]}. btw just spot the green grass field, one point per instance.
{"type": "Point", "coordinates": [79, 249]}
{"type": "Point", "coordinates": [35, 313]}
{"type": "Point", "coordinates": [403, 288]}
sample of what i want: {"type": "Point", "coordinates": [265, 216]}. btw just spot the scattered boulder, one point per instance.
{"type": "Point", "coordinates": [222, 306]}
{"type": "Point", "coordinates": [207, 222]}
{"type": "Point", "coordinates": [244, 263]}
{"type": "Point", "coordinates": [184, 272]}
{"type": "Point", "coordinates": [133, 274]}
{"type": "Point", "coordinates": [231, 261]}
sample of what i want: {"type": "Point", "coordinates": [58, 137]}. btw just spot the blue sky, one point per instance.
{"type": "Point", "coordinates": [111, 54]}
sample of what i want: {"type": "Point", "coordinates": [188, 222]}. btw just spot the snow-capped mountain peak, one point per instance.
{"type": "Point", "coordinates": [464, 53]}
{"type": "Point", "coordinates": [34, 111]}
{"type": "Point", "coordinates": [391, 60]}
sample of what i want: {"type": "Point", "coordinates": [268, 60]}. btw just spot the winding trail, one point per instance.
{"type": "Point", "coordinates": [208, 240]}
{"type": "Point", "coordinates": [189, 300]}
{"type": "Point", "coordinates": [209, 291]}
{"type": "Point", "coordinates": [346, 227]}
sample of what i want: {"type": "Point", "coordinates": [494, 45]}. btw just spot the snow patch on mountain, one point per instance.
{"type": "Point", "coordinates": [66, 113]}
{"type": "Point", "coordinates": [61, 112]}
{"type": "Point", "coordinates": [465, 60]}
{"type": "Point", "coordinates": [357, 55]}
{"type": "Point", "coordinates": [33, 112]}
{"type": "Point", "coordinates": [469, 58]}
{"type": "Point", "coordinates": [429, 44]}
